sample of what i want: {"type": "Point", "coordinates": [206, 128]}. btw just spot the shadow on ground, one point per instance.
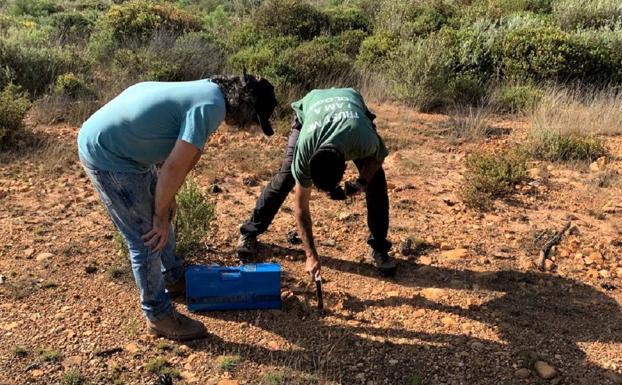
{"type": "Point", "coordinates": [535, 316]}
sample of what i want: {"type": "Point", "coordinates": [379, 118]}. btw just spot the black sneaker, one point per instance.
{"type": "Point", "coordinates": [384, 263]}
{"type": "Point", "coordinates": [247, 247]}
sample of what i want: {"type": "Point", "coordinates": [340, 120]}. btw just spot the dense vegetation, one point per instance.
{"type": "Point", "coordinates": [74, 55]}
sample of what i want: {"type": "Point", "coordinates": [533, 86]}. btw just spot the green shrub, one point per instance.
{"type": "Point", "coordinates": [576, 14]}
{"type": "Point", "coordinates": [73, 27]}
{"type": "Point", "coordinates": [73, 377]}
{"type": "Point", "coordinates": [548, 53]}
{"type": "Point", "coordinates": [410, 19]}
{"type": "Point", "coordinates": [229, 363]}
{"type": "Point", "coordinates": [13, 107]}
{"type": "Point", "coordinates": [195, 212]}
{"type": "Point", "coordinates": [74, 86]}
{"type": "Point", "coordinates": [197, 56]}
{"type": "Point", "coordinates": [318, 63]}
{"type": "Point", "coordinates": [277, 18]}
{"type": "Point", "coordinates": [36, 68]}
{"type": "Point", "coordinates": [34, 8]}
{"type": "Point", "coordinates": [20, 351]}
{"type": "Point", "coordinates": [344, 17]}
{"type": "Point", "coordinates": [506, 7]}
{"type": "Point", "coordinates": [516, 98]}
{"type": "Point", "coordinates": [420, 74]}
{"type": "Point", "coordinates": [349, 42]}
{"type": "Point", "coordinates": [143, 65]}
{"type": "Point", "coordinates": [376, 52]}
{"type": "Point", "coordinates": [266, 58]}
{"type": "Point", "coordinates": [492, 175]}
{"type": "Point", "coordinates": [49, 355]}
{"type": "Point", "coordinates": [137, 21]}
{"type": "Point", "coordinates": [161, 366]}
{"type": "Point", "coordinates": [565, 147]}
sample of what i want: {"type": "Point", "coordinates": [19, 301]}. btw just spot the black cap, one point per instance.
{"type": "Point", "coordinates": [265, 101]}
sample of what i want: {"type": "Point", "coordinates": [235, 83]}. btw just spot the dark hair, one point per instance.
{"type": "Point", "coordinates": [327, 167]}
{"type": "Point", "coordinates": [248, 100]}
{"type": "Point", "coordinates": [239, 99]}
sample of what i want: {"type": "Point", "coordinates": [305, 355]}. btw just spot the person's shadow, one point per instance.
{"type": "Point", "coordinates": [524, 317]}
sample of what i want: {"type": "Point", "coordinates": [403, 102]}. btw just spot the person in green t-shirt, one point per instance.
{"type": "Point", "coordinates": [331, 127]}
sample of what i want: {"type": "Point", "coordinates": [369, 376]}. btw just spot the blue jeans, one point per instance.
{"type": "Point", "coordinates": [129, 199]}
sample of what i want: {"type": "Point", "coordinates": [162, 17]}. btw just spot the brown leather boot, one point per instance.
{"type": "Point", "coordinates": [177, 326]}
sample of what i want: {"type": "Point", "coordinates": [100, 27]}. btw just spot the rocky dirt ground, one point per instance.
{"type": "Point", "coordinates": [469, 308]}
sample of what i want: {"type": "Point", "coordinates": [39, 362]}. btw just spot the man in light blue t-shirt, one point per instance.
{"type": "Point", "coordinates": [168, 123]}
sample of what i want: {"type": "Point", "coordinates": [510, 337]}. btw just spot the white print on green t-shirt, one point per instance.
{"type": "Point", "coordinates": [332, 100]}
{"type": "Point", "coordinates": [334, 117]}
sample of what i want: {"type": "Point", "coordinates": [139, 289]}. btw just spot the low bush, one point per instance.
{"type": "Point", "coordinates": [319, 63]}
{"type": "Point", "coordinates": [73, 27]}
{"type": "Point", "coordinates": [548, 53]}
{"type": "Point", "coordinates": [506, 7]}
{"type": "Point", "coordinates": [196, 55]}
{"type": "Point", "coordinates": [576, 14]}
{"type": "Point", "coordinates": [36, 68]}
{"type": "Point", "coordinates": [516, 98]}
{"type": "Point", "coordinates": [346, 17]}
{"type": "Point", "coordinates": [571, 147]}
{"type": "Point", "coordinates": [421, 74]}
{"type": "Point", "coordinates": [492, 175]}
{"type": "Point", "coordinates": [161, 366]}
{"type": "Point", "coordinates": [265, 57]}
{"type": "Point", "coordinates": [143, 65]}
{"type": "Point", "coordinates": [195, 212]}
{"type": "Point", "coordinates": [73, 86]}
{"type": "Point", "coordinates": [136, 22]}
{"type": "Point", "coordinates": [377, 52]}
{"type": "Point", "coordinates": [275, 18]}
{"type": "Point", "coordinates": [13, 107]}
{"type": "Point", "coordinates": [34, 8]}
{"type": "Point", "coordinates": [73, 377]}
{"type": "Point", "coordinates": [411, 19]}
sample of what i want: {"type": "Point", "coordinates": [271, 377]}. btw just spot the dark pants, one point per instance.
{"type": "Point", "coordinates": [274, 194]}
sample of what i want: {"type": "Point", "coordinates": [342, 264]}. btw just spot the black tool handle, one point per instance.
{"type": "Point", "coordinates": [318, 291]}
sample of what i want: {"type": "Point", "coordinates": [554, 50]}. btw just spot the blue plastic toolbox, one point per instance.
{"type": "Point", "coordinates": [253, 286]}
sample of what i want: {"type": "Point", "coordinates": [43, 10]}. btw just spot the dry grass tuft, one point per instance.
{"type": "Point", "coordinates": [580, 112]}
{"type": "Point", "coordinates": [469, 123]}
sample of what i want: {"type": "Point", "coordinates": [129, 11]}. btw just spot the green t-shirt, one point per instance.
{"type": "Point", "coordinates": [337, 117]}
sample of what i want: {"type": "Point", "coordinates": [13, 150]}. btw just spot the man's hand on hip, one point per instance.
{"type": "Point", "coordinates": [158, 236]}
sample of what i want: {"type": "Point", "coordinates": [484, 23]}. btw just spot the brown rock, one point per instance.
{"type": "Point", "coordinates": [228, 382]}
{"type": "Point", "coordinates": [132, 347]}
{"type": "Point", "coordinates": [37, 373]}
{"type": "Point", "coordinates": [433, 293]}
{"type": "Point", "coordinates": [455, 254]}
{"type": "Point", "coordinates": [29, 252]}
{"type": "Point", "coordinates": [43, 257]}
{"type": "Point", "coordinates": [595, 258]}
{"type": "Point", "coordinates": [522, 373]}
{"type": "Point", "coordinates": [73, 361]}
{"type": "Point", "coordinates": [592, 273]}
{"type": "Point", "coordinates": [545, 370]}
{"type": "Point", "coordinates": [548, 265]}
{"type": "Point", "coordinates": [425, 260]}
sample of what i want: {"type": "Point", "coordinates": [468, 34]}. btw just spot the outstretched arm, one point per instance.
{"type": "Point", "coordinates": [181, 160]}
{"type": "Point", "coordinates": [302, 196]}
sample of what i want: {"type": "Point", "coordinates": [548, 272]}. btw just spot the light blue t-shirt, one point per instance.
{"type": "Point", "coordinates": [139, 127]}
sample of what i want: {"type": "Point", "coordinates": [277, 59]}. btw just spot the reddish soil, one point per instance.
{"type": "Point", "coordinates": [472, 316]}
